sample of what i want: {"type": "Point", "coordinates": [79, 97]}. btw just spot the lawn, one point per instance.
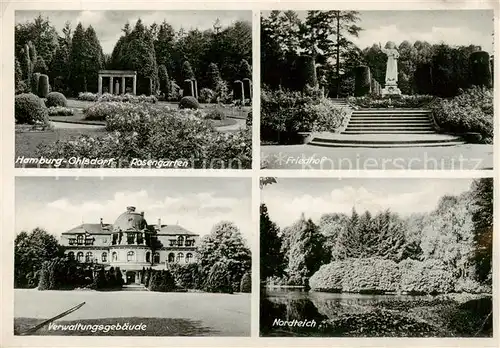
{"type": "Point", "coordinates": [165, 314]}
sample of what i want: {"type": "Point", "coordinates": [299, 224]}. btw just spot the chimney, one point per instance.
{"type": "Point", "coordinates": [101, 222]}
{"type": "Point", "coordinates": [131, 209]}
{"type": "Point", "coordinates": [142, 213]}
{"type": "Point", "coordinates": [159, 222]}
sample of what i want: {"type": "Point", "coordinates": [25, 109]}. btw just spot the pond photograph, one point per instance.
{"type": "Point", "coordinates": [379, 257]}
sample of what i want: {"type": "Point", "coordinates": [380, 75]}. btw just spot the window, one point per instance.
{"type": "Point", "coordinates": [79, 239]}
{"type": "Point", "coordinates": [148, 256]}
{"type": "Point", "coordinates": [71, 255]}
{"type": "Point", "coordinates": [79, 256]}
{"type": "Point", "coordinates": [180, 241]}
{"type": "Point", "coordinates": [189, 258]}
{"type": "Point", "coordinates": [171, 257]}
{"type": "Point", "coordinates": [130, 256]}
{"type": "Point", "coordinates": [114, 256]}
{"type": "Point", "coordinates": [157, 258]}
{"type": "Point", "coordinates": [104, 257]}
{"type": "Point", "coordinates": [88, 256]}
{"type": "Point", "coordinates": [172, 242]}
{"type": "Point", "coordinates": [130, 238]}
{"type": "Point", "coordinates": [180, 257]}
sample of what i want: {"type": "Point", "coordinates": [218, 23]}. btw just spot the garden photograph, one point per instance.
{"type": "Point", "coordinates": [384, 257]}
{"type": "Point", "coordinates": [133, 89]}
{"type": "Point", "coordinates": [138, 256]}
{"type": "Point", "coordinates": [377, 89]}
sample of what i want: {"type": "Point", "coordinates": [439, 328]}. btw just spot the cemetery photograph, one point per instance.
{"type": "Point", "coordinates": [399, 257]}
{"type": "Point", "coordinates": [133, 89]}
{"type": "Point", "coordinates": [132, 256]}
{"type": "Point", "coordinates": [377, 89]}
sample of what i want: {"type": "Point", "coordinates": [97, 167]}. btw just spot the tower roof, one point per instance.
{"type": "Point", "coordinates": [130, 220]}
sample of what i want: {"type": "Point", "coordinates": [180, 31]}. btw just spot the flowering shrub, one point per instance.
{"type": "Point", "coordinates": [88, 96]}
{"type": "Point", "coordinates": [126, 98]}
{"type": "Point", "coordinates": [470, 111]}
{"type": "Point", "coordinates": [60, 111]}
{"type": "Point", "coordinates": [327, 116]}
{"type": "Point", "coordinates": [150, 132]}
{"type": "Point", "coordinates": [426, 277]}
{"type": "Point", "coordinates": [207, 95]}
{"type": "Point", "coordinates": [394, 101]}
{"type": "Point", "coordinates": [216, 114]}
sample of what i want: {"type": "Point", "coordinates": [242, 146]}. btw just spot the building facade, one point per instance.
{"type": "Point", "coordinates": [131, 244]}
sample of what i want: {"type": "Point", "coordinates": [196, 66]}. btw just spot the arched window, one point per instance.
{"type": "Point", "coordinates": [180, 241]}
{"type": "Point", "coordinates": [104, 257]}
{"type": "Point", "coordinates": [114, 256]}
{"type": "Point", "coordinates": [79, 239]}
{"type": "Point", "coordinates": [189, 258]}
{"type": "Point", "coordinates": [171, 257]}
{"type": "Point", "coordinates": [148, 256]}
{"type": "Point", "coordinates": [79, 256]}
{"type": "Point", "coordinates": [130, 256]}
{"type": "Point", "coordinates": [180, 257]}
{"type": "Point", "coordinates": [88, 256]}
{"type": "Point", "coordinates": [156, 258]}
{"type": "Point", "coordinates": [71, 255]}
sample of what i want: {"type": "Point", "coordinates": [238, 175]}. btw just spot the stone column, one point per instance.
{"type": "Point", "coordinates": [99, 85]}
{"type": "Point", "coordinates": [123, 84]}
{"type": "Point", "coordinates": [110, 85]}
{"type": "Point", "coordinates": [117, 88]}
{"type": "Point", "coordinates": [134, 86]}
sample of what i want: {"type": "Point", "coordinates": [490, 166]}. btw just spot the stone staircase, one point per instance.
{"type": "Point", "coordinates": [386, 128]}
{"type": "Point", "coordinates": [388, 121]}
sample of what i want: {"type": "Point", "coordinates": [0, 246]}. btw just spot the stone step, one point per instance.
{"type": "Point", "coordinates": [377, 145]}
{"type": "Point", "coordinates": [391, 123]}
{"type": "Point", "coordinates": [389, 131]}
{"type": "Point", "coordinates": [388, 111]}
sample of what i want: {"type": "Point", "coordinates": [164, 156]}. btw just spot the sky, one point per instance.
{"type": "Point", "coordinates": [196, 203]}
{"type": "Point", "coordinates": [108, 24]}
{"type": "Point", "coordinates": [454, 27]}
{"type": "Point", "coordinates": [289, 197]}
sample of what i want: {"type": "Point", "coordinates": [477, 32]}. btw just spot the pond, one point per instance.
{"type": "Point", "coordinates": [296, 312]}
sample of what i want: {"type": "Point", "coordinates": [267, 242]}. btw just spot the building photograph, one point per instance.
{"type": "Point", "coordinates": [171, 254]}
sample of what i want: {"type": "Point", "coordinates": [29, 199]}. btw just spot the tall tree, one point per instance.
{"type": "Point", "coordinates": [271, 259]}
{"type": "Point", "coordinates": [187, 71]}
{"type": "Point", "coordinates": [245, 71]}
{"type": "Point", "coordinates": [213, 76]}
{"type": "Point", "coordinates": [41, 33]}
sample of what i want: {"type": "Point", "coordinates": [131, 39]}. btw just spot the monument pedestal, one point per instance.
{"type": "Point", "coordinates": [391, 90]}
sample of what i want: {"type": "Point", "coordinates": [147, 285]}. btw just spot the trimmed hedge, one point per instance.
{"type": "Point", "coordinates": [246, 283]}
{"type": "Point", "coordinates": [218, 279]}
{"type": "Point", "coordinates": [189, 103]}
{"type": "Point", "coordinates": [362, 81]}
{"type": "Point", "coordinates": [426, 277]}
{"type": "Point", "coordinates": [43, 86]}
{"type": "Point", "coordinates": [394, 101]}
{"type": "Point", "coordinates": [29, 109]}
{"type": "Point", "coordinates": [56, 99]}
{"type": "Point", "coordinates": [161, 281]}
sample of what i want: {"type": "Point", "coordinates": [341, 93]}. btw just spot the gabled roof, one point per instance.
{"type": "Point", "coordinates": [90, 228]}
{"type": "Point", "coordinates": [174, 230]}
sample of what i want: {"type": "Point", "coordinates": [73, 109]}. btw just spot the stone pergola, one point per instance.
{"type": "Point", "coordinates": [123, 74]}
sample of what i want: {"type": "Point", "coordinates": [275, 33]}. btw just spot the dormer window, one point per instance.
{"type": "Point", "coordinates": [180, 241]}
{"type": "Point", "coordinates": [79, 239]}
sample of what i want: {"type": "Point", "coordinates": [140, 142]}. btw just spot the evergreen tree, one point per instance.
{"type": "Point", "coordinates": [94, 55]}
{"type": "Point", "coordinates": [271, 259]}
{"type": "Point", "coordinates": [164, 80]}
{"type": "Point", "coordinates": [213, 76]}
{"type": "Point", "coordinates": [18, 75]}
{"type": "Point", "coordinates": [245, 71]}
{"type": "Point", "coordinates": [41, 33]}
{"type": "Point", "coordinates": [187, 71]}
{"type": "Point", "coordinates": [40, 66]}
{"type": "Point", "coordinates": [79, 62]}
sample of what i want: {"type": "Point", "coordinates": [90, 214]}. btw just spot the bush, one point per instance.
{"type": "Point", "coordinates": [362, 81]}
{"type": "Point", "coordinates": [161, 281]}
{"type": "Point", "coordinates": [127, 98]}
{"type": "Point", "coordinates": [216, 114]}
{"type": "Point", "coordinates": [59, 111]}
{"type": "Point", "coordinates": [222, 93]}
{"type": "Point", "coordinates": [43, 280]}
{"type": "Point", "coordinates": [88, 96]}
{"type": "Point", "coordinates": [426, 277]}
{"type": "Point", "coordinates": [29, 109]}
{"type": "Point", "coordinates": [189, 103]}
{"type": "Point", "coordinates": [327, 116]}
{"type": "Point", "coordinates": [187, 276]}
{"type": "Point", "coordinates": [218, 279]}
{"type": "Point", "coordinates": [470, 111]}
{"type": "Point", "coordinates": [207, 95]}
{"type": "Point", "coordinates": [35, 78]}
{"type": "Point", "coordinates": [56, 99]}
{"type": "Point", "coordinates": [394, 101]}
{"type": "Point", "coordinates": [246, 283]}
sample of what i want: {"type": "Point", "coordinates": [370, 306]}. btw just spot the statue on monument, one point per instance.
{"type": "Point", "coordinates": [391, 72]}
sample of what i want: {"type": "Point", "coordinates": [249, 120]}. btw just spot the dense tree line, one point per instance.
{"type": "Point", "coordinates": [156, 52]}
{"type": "Point", "coordinates": [457, 234]}
{"type": "Point", "coordinates": [423, 68]}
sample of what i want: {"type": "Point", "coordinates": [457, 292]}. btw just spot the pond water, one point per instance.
{"type": "Point", "coordinates": [298, 304]}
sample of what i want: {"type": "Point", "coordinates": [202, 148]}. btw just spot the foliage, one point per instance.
{"type": "Point", "coordinates": [127, 98]}
{"type": "Point", "coordinates": [225, 244]}
{"type": "Point", "coordinates": [56, 99]}
{"type": "Point", "coordinates": [43, 86]}
{"type": "Point", "coordinates": [470, 111]}
{"type": "Point", "coordinates": [426, 277]}
{"type": "Point", "coordinates": [219, 278]}
{"type": "Point", "coordinates": [245, 71]}
{"type": "Point", "coordinates": [40, 33]}
{"type": "Point", "coordinates": [59, 111]}
{"type": "Point", "coordinates": [207, 96]}
{"type": "Point", "coordinates": [326, 116]}
{"type": "Point", "coordinates": [272, 261]}
{"type": "Point", "coordinates": [246, 283]}
{"type": "Point", "coordinates": [215, 114]}
{"type": "Point", "coordinates": [29, 109]}
{"type": "Point", "coordinates": [189, 103]}
{"type": "Point", "coordinates": [187, 276]}
{"type": "Point", "coordinates": [88, 96]}
{"type": "Point", "coordinates": [401, 101]}
{"type": "Point", "coordinates": [162, 281]}
{"type": "Point", "coordinates": [31, 250]}
{"type": "Point", "coordinates": [164, 80]}
{"type": "Point", "coordinates": [187, 71]}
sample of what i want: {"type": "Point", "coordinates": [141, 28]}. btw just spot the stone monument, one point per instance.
{"type": "Point", "coordinates": [391, 72]}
